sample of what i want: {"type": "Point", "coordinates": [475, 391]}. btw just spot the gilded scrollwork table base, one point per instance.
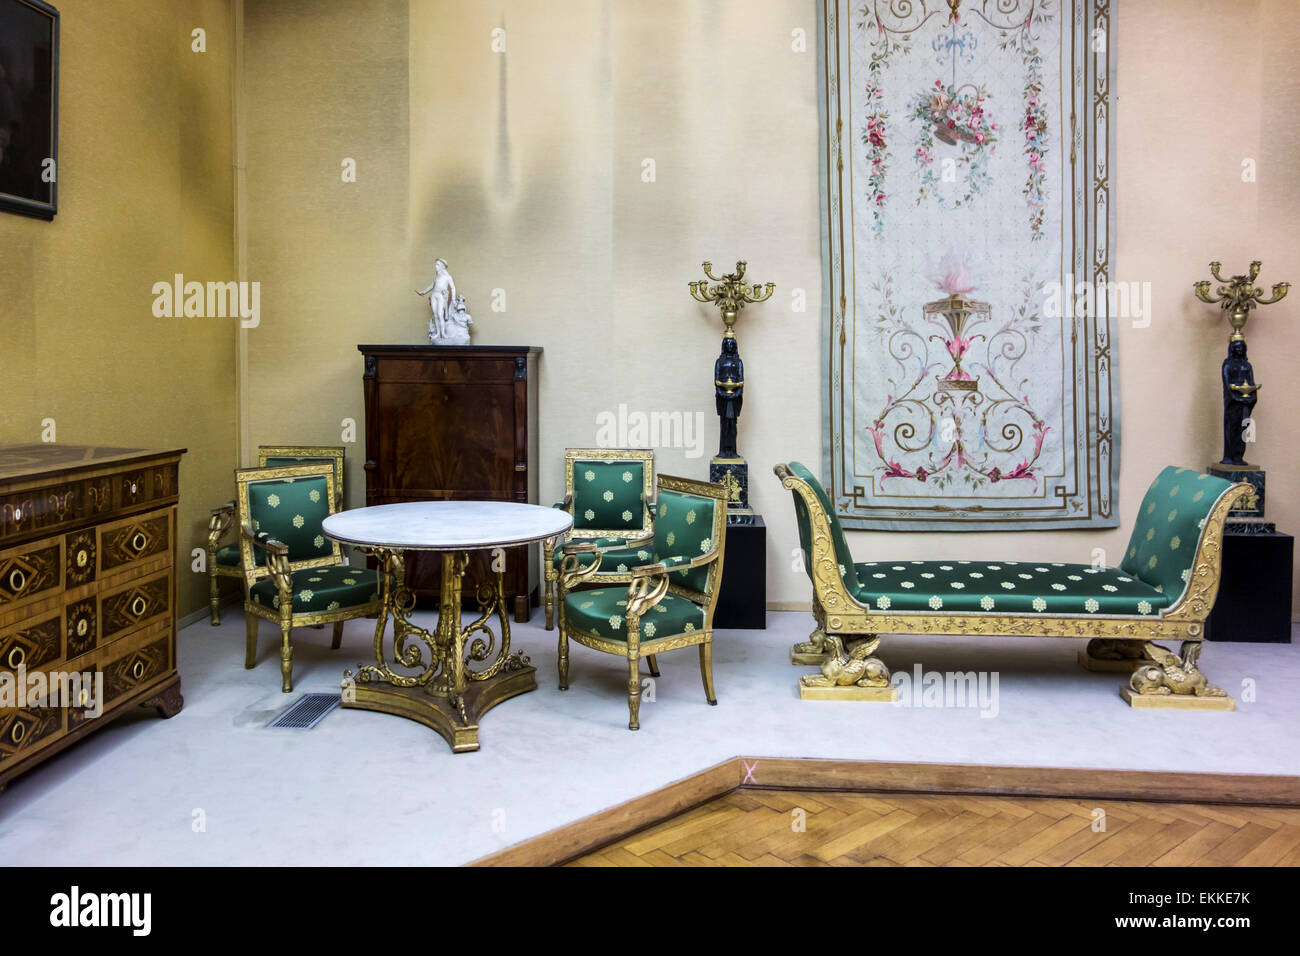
{"type": "Point", "coordinates": [446, 678]}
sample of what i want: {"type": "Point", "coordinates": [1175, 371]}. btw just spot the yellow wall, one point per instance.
{"type": "Point", "coordinates": [526, 175]}
{"type": "Point", "coordinates": [145, 191]}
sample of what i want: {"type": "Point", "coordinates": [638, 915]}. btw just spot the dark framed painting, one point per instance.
{"type": "Point", "coordinates": [29, 107]}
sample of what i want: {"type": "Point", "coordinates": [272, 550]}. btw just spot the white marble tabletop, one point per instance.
{"type": "Point", "coordinates": [446, 525]}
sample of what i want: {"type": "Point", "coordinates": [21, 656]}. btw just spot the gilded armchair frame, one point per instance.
{"type": "Point", "coordinates": [280, 567]}
{"type": "Point", "coordinates": [838, 614]}
{"type": "Point", "coordinates": [647, 586]}
{"type": "Point", "coordinates": [222, 519]}
{"type": "Point", "coordinates": [633, 536]}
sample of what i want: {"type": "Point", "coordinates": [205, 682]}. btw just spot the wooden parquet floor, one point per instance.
{"type": "Point", "coordinates": [752, 827]}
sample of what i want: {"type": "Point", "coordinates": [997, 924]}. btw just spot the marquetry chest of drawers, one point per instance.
{"type": "Point", "coordinates": [87, 593]}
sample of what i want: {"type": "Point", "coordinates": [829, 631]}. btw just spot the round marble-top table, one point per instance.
{"type": "Point", "coordinates": [437, 680]}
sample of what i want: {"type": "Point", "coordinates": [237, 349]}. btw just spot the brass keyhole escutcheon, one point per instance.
{"type": "Point", "coordinates": [138, 541]}
{"type": "Point", "coordinates": [133, 487]}
{"type": "Point", "coordinates": [17, 657]}
{"type": "Point", "coordinates": [83, 699]}
{"type": "Point", "coordinates": [17, 580]}
{"type": "Point", "coordinates": [18, 732]}
{"type": "Point", "coordinates": [82, 627]}
{"type": "Point", "coordinates": [18, 514]}
{"type": "Point", "coordinates": [83, 558]}
{"type": "Point", "coordinates": [137, 669]}
{"type": "Point", "coordinates": [138, 605]}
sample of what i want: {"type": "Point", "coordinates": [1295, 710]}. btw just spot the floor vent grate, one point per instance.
{"type": "Point", "coordinates": [305, 712]}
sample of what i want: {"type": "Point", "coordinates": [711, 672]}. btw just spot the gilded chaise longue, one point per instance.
{"type": "Point", "coordinates": [1163, 589]}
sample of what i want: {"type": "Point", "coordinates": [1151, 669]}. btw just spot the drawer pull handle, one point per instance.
{"type": "Point", "coordinates": [18, 514]}
{"type": "Point", "coordinates": [137, 669]}
{"type": "Point", "coordinates": [138, 606]}
{"type": "Point", "coordinates": [139, 542]}
{"type": "Point", "coordinates": [17, 580]}
{"type": "Point", "coordinates": [83, 558]}
{"type": "Point", "coordinates": [82, 627]}
{"type": "Point", "coordinates": [18, 732]}
{"type": "Point", "coordinates": [17, 657]}
{"type": "Point", "coordinates": [133, 487]}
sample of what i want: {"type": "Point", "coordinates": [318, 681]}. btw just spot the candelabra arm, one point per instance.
{"type": "Point", "coordinates": [1280, 289]}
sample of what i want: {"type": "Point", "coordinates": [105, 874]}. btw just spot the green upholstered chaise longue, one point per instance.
{"type": "Point", "coordinates": [1162, 590]}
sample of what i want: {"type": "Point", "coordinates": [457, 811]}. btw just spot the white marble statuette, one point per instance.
{"type": "Point", "coordinates": [450, 322]}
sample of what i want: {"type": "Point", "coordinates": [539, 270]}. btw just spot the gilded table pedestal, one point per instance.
{"type": "Point", "coordinates": [449, 677]}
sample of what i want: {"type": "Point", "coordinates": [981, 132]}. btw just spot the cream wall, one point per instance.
{"type": "Point", "coordinates": [526, 173]}
{"type": "Point", "coordinates": [145, 191]}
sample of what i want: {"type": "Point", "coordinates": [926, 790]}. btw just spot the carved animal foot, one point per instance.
{"type": "Point", "coordinates": [1174, 680]}
{"type": "Point", "coordinates": [855, 666]}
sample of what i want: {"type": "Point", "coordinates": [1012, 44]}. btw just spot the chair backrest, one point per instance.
{"type": "Point", "coordinates": [610, 490]}
{"type": "Point", "coordinates": [272, 456]}
{"type": "Point", "coordinates": [848, 573]}
{"type": "Point", "coordinates": [691, 520]}
{"type": "Point", "coordinates": [288, 503]}
{"type": "Point", "coordinates": [1162, 548]}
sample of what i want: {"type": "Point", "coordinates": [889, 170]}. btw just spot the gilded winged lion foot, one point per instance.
{"type": "Point", "coordinates": [855, 666]}
{"type": "Point", "coordinates": [1172, 680]}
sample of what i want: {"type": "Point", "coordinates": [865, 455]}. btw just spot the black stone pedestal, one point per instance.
{"type": "Point", "coordinates": [1254, 601]}
{"type": "Point", "coordinates": [742, 599]}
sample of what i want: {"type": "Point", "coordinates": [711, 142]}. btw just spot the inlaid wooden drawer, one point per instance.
{"type": "Point", "coordinates": [30, 573]}
{"type": "Point", "coordinates": [126, 607]}
{"type": "Point", "coordinates": [129, 542]}
{"type": "Point", "coordinates": [24, 730]}
{"type": "Point", "coordinates": [33, 643]}
{"type": "Point", "coordinates": [126, 667]}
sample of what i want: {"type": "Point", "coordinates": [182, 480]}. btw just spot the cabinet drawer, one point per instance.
{"type": "Point", "coordinates": [125, 608]}
{"type": "Point", "coordinates": [27, 729]}
{"type": "Point", "coordinates": [142, 485]}
{"type": "Point", "coordinates": [127, 542]}
{"type": "Point", "coordinates": [124, 669]}
{"type": "Point", "coordinates": [30, 572]}
{"type": "Point", "coordinates": [32, 644]}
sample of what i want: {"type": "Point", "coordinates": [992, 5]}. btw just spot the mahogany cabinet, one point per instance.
{"type": "Point", "coordinates": [455, 423]}
{"type": "Point", "coordinates": [87, 593]}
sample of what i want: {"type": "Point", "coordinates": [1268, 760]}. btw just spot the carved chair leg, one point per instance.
{"type": "Point", "coordinates": [214, 593]}
{"type": "Point", "coordinates": [286, 659]}
{"type": "Point", "coordinates": [338, 636]}
{"type": "Point", "coordinates": [250, 640]}
{"type": "Point", "coordinates": [706, 669]}
{"type": "Point", "coordinates": [563, 662]}
{"type": "Point", "coordinates": [633, 692]}
{"type": "Point", "coordinates": [549, 575]}
{"type": "Point", "coordinates": [652, 664]}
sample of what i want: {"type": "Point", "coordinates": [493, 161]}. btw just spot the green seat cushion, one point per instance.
{"type": "Point", "coordinates": [229, 556]}
{"type": "Point", "coordinates": [1005, 587]}
{"type": "Point", "coordinates": [684, 528]}
{"type": "Point", "coordinates": [609, 495]}
{"type": "Point", "coordinates": [321, 589]}
{"type": "Point", "coordinates": [1162, 549]}
{"type": "Point", "coordinates": [291, 511]}
{"type": "Point", "coordinates": [616, 554]}
{"type": "Point", "coordinates": [602, 611]}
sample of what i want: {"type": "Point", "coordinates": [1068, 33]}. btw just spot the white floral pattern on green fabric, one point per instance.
{"type": "Point", "coordinates": [299, 521]}
{"type": "Point", "coordinates": [589, 476]}
{"type": "Point", "coordinates": [627, 476]}
{"type": "Point", "coordinates": [608, 495]}
{"type": "Point", "coordinates": [987, 603]}
{"type": "Point", "coordinates": [273, 500]}
{"type": "Point", "coordinates": [319, 541]}
{"type": "Point", "coordinates": [627, 516]}
{"type": "Point", "coordinates": [1040, 604]}
{"type": "Point", "coordinates": [883, 602]}
{"type": "Point", "coordinates": [1144, 607]}
{"type": "Point", "coordinates": [589, 514]}
{"type": "Point", "coordinates": [314, 495]}
{"type": "Point", "coordinates": [690, 517]}
{"type": "Point", "coordinates": [1091, 605]}
{"type": "Point", "coordinates": [936, 602]}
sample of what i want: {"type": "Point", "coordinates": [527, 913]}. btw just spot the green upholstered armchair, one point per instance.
{"type": "Point", "coordinates": [608, 491]}
{"type": "Point", "coordinates": [293, 574]}
{"type": "Point", "coordinates": [1164, 588]}
{"type": "Point", "coordinates": [223, 561]}
{"type": "Point", "coordinates": [669, 599]}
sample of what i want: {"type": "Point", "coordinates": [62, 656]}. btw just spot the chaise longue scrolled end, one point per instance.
{"type": "Point", "coordinates": [1163, 589]}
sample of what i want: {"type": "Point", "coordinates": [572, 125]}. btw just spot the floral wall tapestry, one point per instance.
{"type": "Point", "coordinates": [969, 376]}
